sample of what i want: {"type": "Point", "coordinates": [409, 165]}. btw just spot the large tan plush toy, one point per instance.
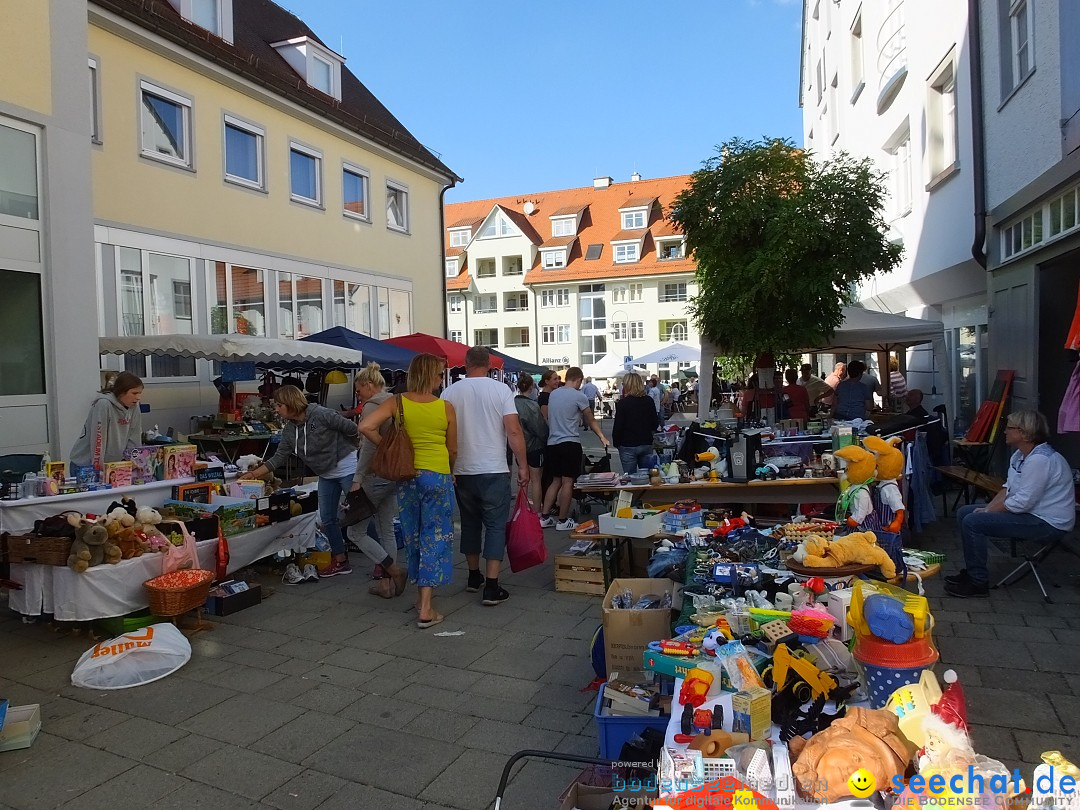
{"type": "Point", "coordinates": [860, 547]}
{"type": "Point", "coordinates": [91, 545]}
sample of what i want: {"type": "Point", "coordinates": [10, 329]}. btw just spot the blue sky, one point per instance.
{"type": "Point", "coordinates": [532, 96]}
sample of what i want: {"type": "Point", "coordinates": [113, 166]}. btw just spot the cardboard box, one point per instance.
{"type": "Point", "coordinates": [119, 473]}
{"type": "Point", "coordinates": [235, 515]}
{"type": "Point", "coordinates": [627, 633]}
{"type": "Point", "coordinates": [233, 602]}
{"type": "Point", "coordinates": [752, 712]}
{"type": "Point", "coordinates": [641, 549]}
{"type": "Point", "coordinates": [178, 461]}
{"type": "Point", "coordinates": [588, 797]}
{"type": "Point", "coordinates": [645, 523]}
{"type": "Point", "coordinates": [21, 727]}
{"type": "Point", "coordinates": [837, 604]}
{"type": "Point", "coordinates": [146, 463]}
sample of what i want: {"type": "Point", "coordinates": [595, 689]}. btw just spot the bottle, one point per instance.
{"type": "Point", "coordinates": [46, 460]}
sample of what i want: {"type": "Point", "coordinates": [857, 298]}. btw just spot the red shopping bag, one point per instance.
{"type": "Point", "coordinates": [524, 536]}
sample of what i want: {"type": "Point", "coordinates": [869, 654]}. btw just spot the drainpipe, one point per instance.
{"type": "Point", "coordinates": [978, 137]}
{"type": "Point", "coordinates": [442, 253]}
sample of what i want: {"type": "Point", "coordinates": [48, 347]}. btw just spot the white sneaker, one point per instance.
{"type": "Point", "coordinates": [547, 522]}
{"type": "Point", "coordinates": [311, 574]}
{"type": "Point", "coordinates": [292, 575]}
{"type": "Point", "coordinates": [567, 525]}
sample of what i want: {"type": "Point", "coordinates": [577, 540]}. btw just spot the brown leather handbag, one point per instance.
{"type": "Point", "coordinates": [394, 459]}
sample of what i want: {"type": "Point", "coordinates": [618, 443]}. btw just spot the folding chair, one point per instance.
{"type": "Point", "coordinates": [1030, 565]}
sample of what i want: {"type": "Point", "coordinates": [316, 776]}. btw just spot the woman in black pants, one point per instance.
{"type": "Point", "coordinates": [636, 420]}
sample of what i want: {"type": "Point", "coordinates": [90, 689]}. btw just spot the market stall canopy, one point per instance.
{"type": "Point", "coordinates": [273, 352]}
{"type": "Point", "coordinates": [866, 330]}
{"type": "Point", "coordinates": [606, 367]}
{"type": "Point", "coordinates": [671, 353]}
{"type": "Point", "coordinates": [521, 366]}
{"type": "Point", "coordinates": [450, 350]}
{"type": "Point", "coordinates": [374, 351]}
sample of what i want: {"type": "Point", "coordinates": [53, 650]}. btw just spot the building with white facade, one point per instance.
{"type": "Point", "coordinates": [890, 80]}
{"type": "Point", "coordinates": [563, 278]}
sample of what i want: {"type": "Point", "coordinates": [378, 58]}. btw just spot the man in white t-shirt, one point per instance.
{"type": "Point", "coordinates": [567, 409]}
{"type": "Point", "coordinates": [487, 419]}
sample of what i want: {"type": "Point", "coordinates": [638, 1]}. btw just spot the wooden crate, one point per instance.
{"type": "Point", "coordinates": [579, 574]}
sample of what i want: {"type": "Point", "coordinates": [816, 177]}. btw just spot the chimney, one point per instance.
{"type": "Point", "coordinates": [602, 182]}
{"type": "Point", "coordinates": [635, 177]}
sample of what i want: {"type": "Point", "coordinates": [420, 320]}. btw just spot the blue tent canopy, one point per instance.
{"type": "Point", "coordinates": [385, 354]}
{"type": "Point", "coordinates": [520, 366]}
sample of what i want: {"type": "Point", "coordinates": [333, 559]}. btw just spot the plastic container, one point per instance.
{"type": "Point", "coordinates": [614, 732]}
{"type": "Point", "coordinates": [118, 625]}
{"type": "Point", "coordinates": [889, 666]}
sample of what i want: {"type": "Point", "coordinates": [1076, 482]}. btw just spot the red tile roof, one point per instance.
{"type": "Point", "coordinates": [461, 281]}
{"type": "Point", "coordinates": [633, 235]}
{"type": "Point", "coordinates": [638, 202]}
{"type": "Point", "coordinates": [468, 222]}
{"type": "Point", "coordinates": [569, 210]}
{"type": "Point", "coordinates": [559, 241]}
{"type": "Point", "coordinates": [522, 221]}
{"type": "Point", "coordinates": [454, 251]}
{"type": "Point", "coordinates": [600, 225]}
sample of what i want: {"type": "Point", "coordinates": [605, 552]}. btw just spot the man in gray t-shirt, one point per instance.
{"type": "Point", "coordinates": [567, 408]}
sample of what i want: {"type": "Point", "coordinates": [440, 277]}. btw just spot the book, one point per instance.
{"type": "Point", "coordinates": [57, 470]}
{"type": "Point", "coordinates": [193, 493]}
{"type": "Point", "coordinates": [118, 473]}
{"type": "Point", "coordinates": [213, 475]}
{"type": "Point", "coordinates": [612, 710]}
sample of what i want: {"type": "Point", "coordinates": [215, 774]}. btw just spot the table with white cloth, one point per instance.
{"type": "Point", "coordinates": [116, 590]}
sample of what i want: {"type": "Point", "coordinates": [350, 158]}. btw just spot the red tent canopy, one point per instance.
{"type": "Point", "coordinates": [452, 351]}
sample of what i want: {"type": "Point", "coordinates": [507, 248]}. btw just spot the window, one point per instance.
{"type": "Point", "coordinates": [22, 372]}
{"type": "Point", "coordinates": [668, 249]}
{"type": "Point", "coordinates": [674, 292]}
{"type": "Point", "coordinates": [1059, 217]}
{"type": "Point", "coordinates": [451, 268]}
{"type": "Point", "coordinates": [941, 118]}
{"type": "Point", "coordinates": [397, 207]}
{"type": "Point", "coordinates": [819, 80]}
{"type": "Point", "coordinates": [486, 337]}
{"type": "Point", "coordinates": [637, 330]}
{"type": "Point", "coordinates": [626, 253]}
{"type": "Point", "coordinates": [243, 153]}
{"type": "Point", "coordinates": [95, 102]}
{"type": "Point", "coordinates": [18, 173]}
{"type": "Point", "coordinates": [486, 303]}
{"type": "Point", "coordinates": [305, 174]}
{"type": "Point", "coordinates": [547, 298]}
{"type": "Point", "coordinates": [456, 336]}
{"type": "Point", "coordinates": [1021, 27]}
{"type": "Point", "coordinates": [673, 330]}
{"type": "Point", "coordinates": [516, 302]}
{"type": "Point", "coordinates": [1063, 212]}
{"type": "Point", "coordinates": [459, 237]}
{"type": "Point", "coordinates": [567, 226]}
{"type": "Point", "coordinates": [207, 14]}
{"type": "Point", "coordinates": [633, 219]}
{"type": "Point", "coordinates": [497, 226]}
{"type": "Point", "coordinates": [516, 336]}
{"type": "Point", "coordinates": [485, 268]}
{"type": "Point", "coordinates": [155, 299]}
{"type": "Point", "coordinates": [182, 299]}
{"type": "Point", "coordinates": [166, 125]}
{"type": "Point", "coordinates": [618, 295]}
{"type": "Point", "coordinates": [300, 306]}
{"type": "Point", "coordinates": [900, 173]}
{"type": "Point", "coordinates": [547, 334]}
{"type": "Point", "coordinates": [322, 75]}
{"type": "Point", "coordinates": [832, 111]}
{"type": "Point", "coordinates": [636, 292]}
{"type": "Point", "coordinates": [237, 300]}
{"type": "Point", "coordinates": [618, 331]}
{"type": "Point", "coordinates": [554, 259]}
{"type": "Point", "coordinates": [457, 303]}
{"type": "Point", "coordinates": [593, 252]}
{"type": "Point", "coordinates": [512, 266]}
{"type": "Point", "coordinates": [354, 192]}
{"type": "Point", "coordinates": [856, 44]}
{"type": "Point", "coordinates": [352, 306]}
{"type": "Point", "coordinates": [562, 297]}
{"type": "Point", "coordinates": [564, 333]}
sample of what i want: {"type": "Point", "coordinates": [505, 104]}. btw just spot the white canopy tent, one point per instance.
{"type": "Point", "coordinates": [607, 367]}
{"type": "Point", "coordinates": [671, 353]}
{"type": "Point", "coordinates": [235, 348]}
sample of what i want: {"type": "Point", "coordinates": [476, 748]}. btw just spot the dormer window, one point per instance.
{"type": "Point", "coordinates": [632, 220]}
{"type": "Point", "coordinates": [451, 268]}
{"type": "Point", "coordinates": [564, 226]}
{"type": "Point", "coordinates": [554, 259]}
{"type": "Point", "coordinates": [670, 248]}
{"type": "Point", "coordinates": [215, 16]}
{"type": "Point", "coordinates": [497, 225]}
{"type": "Point", "coordinates": [459, 237]}
{"type": "Point", "coordinates": [627, 252]}
{"type": "Point", "coordinates": [319, 66]}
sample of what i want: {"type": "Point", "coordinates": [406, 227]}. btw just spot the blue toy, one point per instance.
{"type": "Point", "coordinates": [887, 619]}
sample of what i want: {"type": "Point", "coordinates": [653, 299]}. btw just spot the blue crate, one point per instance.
{"type": "Point", "coordinates": [614, 732]}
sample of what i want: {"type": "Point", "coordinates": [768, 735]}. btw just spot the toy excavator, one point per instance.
{"type": "Point", "coordinates": [798, 681]}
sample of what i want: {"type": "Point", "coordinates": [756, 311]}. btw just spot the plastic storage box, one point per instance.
{"type": "Point", "coordinates": [614, 732]}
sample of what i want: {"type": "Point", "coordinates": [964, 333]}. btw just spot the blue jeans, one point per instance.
{"type": "Point", "coordinates": [641, 456]}
{"type": "Point", "coordinates": [331, 491]}
{"type": "Point", "coordinates": [484, 504]}
{"type": "Point", "coordinates": [976, 529]}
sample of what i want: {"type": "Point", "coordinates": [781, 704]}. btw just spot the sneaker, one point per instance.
{"type": "Point", "coordinates": [547, 522]}
{"type": "Point", "coordinates": [292, 575]}
{"type": "Point", "coordinates": [567, 525]}
{"type": "Point", "coordinates": [967, 588]}
{"type": "Point", "coordinates": [311, 574]}
{"type": "Point", "coordinates": [476, 581]}
{"type": "Point", "coordinates": [337, 567]}
{"type": "Point", "coordinates": [956, 579]}
{"type": "Point", "coordinates": [492, 596]}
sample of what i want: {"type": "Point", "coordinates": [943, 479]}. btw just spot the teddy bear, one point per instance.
{"type": "Point", "coordinates": [91, 545]}
{"type": "Point", "coordinates": [146, 526]}
{"type": "Point", "coordinates": [816, 551]}
{"type": "Point", "coordinates": [121, 527]}
{"type": "Point", "coordinates": [873, 501]}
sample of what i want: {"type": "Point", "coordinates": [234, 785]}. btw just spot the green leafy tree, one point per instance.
{"type": "Point", "coordinates": [780, 242]}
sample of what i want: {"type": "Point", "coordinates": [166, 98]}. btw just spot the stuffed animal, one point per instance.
{"type": "Point", "coordinates": [147, 519]}
{"type": "Point", "coordinates": [855, 500]}
{"type": "Point", "coordinates": [91, 545]}
{"type": "Point", "coordinates": [860, 547]}
{"type": "Point", "coordinates": [121, 526]}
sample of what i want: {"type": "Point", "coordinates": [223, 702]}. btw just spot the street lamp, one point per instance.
{"type": "Point", "coordinates": [615, 335]}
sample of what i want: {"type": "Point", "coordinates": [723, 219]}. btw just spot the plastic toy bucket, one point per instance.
{"type": "Point", "coordinates": [889, 666]}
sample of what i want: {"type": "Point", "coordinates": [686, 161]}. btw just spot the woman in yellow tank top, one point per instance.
{"type": "Point", "coordinates": [427, 501]}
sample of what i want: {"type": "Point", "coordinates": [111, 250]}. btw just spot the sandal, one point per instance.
{"type": "Point", "coordinates": [384, 588]}
{"type": "Point", "coordinates": [424, 624]}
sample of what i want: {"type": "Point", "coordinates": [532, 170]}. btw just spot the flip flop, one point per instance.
{"type": "Point", "coordinates": [434, 620]}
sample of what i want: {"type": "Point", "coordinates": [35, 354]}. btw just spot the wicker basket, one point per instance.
{"type": "Point", "coordinates": [33, 548]}
{"type": "Point", "coordinates": [178, 591]}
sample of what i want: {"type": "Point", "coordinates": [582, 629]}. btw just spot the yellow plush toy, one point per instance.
{"type": "Point", "coordinates": [860, 547]}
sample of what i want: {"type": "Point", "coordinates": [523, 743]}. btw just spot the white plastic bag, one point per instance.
{"type": "Point", "coordinates": [133, 659]}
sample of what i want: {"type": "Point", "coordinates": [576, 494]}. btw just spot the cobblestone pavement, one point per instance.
{"type": "Point", "coordinates": [325, 696]}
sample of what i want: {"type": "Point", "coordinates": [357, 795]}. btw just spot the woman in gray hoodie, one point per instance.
{"type": "Point", "coordinates": [326, 442]}
{"type": "Point", "coordinates": [114, 425]}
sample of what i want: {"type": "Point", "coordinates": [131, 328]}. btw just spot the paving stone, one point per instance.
{"type": "Point", "coordinates": [401, 669]}
{"type": "Point", "coordinates": [505, 661]}
{"type": "Point", "coordinates": [519, 640]}
{"type": "Point", "coordinates": [394, 761]}
{"type": "Point", "coordinates": [334, 627]}
{"type": "Point", "coordinates": [439, 724]}
{"type": "Point", "coordinates": [354, 795]}
{"type": "Point", "coordinates": [87, 722]}
{"type": "Point", "coordinates": [285, 620]}
{"type": "Point", "coordinates": [136, 738]}
{"type": "Point", "coordinates": [1032, 744]}
{"type": "Point", "coordinates": [382, 685]}
{"type": "Point", "coordinates": [242, 679]}
{"type": "Point", "coordinates": [482, 616]}
{"type": "Point", "coordinates": [565, 646]}
{"type": "Point", "coordinates": [580, 745]}
{"type": "Point", "coordinates": [202, 646]}
{"type": "Point", "coordinates": [491, 708]}
{"type": "Point", "coordinates": [241, 720]}
{"type": "Point", "coordinates": [196, 794]}
{"type": "Point", "coordinates": [574, 670]}
{"type": "Point", "coordinates": [499, 737]}
{"type": "Point", "coordinates": [295, 666]}
{"type": "Point", "coordinates": [359, 660]}
{"type": "Point", "coordinates": [260, 659]}
{"type": "Point", "coordinates": [1068, 711]}
{"type": "Point", "coordinates": [378, 637]}
{"type": "Point", "coordinates": [455, 651]}
{"type": "Point", "coordinates": [1011, 633]}
{"type": "Point", "coordinates": [1011, 709]}
{"type": "Point", "coordinates": [43, 748]}
{"type": "Point", "coordinates": [306, 791]}
{"type": "Point", "coordinates": [975, 652]}
{"type": "Point", "coordinates": [557, 720]}
{"type": "Point", "coordinates": [951, 617]}
{"type": "Point", "coordinates": [238, 770]}
{"type": "Point", "coordinates": [326, 697]}
{"type": "Point", "coordinates": [501, 686]}
{"type": "Point", "coordinates": [138, 787]}
{"type": "Point", "coordinates": [42, 782]}
{"type": "Point", "coordinates": [1038, 683]}
{"type": "Point", "coordinates": [553, 625]}
{"type": "Point", "coordinates": [298, 739]}
{"type": "Point", "coordinates": [585, 629]}
{"type": "Point", "coordinates": [190, 748]}
{"type": "Point", "coordinates": [453, 678]}
{"type": "Point", "coordinates": [158, 700]}
{"type": "Point", "coordinates": [1067, 636]}
{"type": "Point", "coordinates": [969, 630]}
{"type": "Point", "coordinates": [379, 710]}
{"type": "Point", "coordinates": [31, 657]}
{"type": "Point", "coordinates": [539, 784]}
{"type": "Point", "coordinates": [995, 742]}
{"type": "Point", "coordinates": [1054, 657]}
{"type": "Point", "coordinates": [470, 782]}
{"type": "Point", "coordinates": [339, 676]}
{"type": "Point", "coordinates": [561, 696]}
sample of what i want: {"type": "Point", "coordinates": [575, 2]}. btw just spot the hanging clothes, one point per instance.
{"type": "Point", "coordinates": [1072, 341]}
{"type": "Point", "coordinates": [1069, 412]}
